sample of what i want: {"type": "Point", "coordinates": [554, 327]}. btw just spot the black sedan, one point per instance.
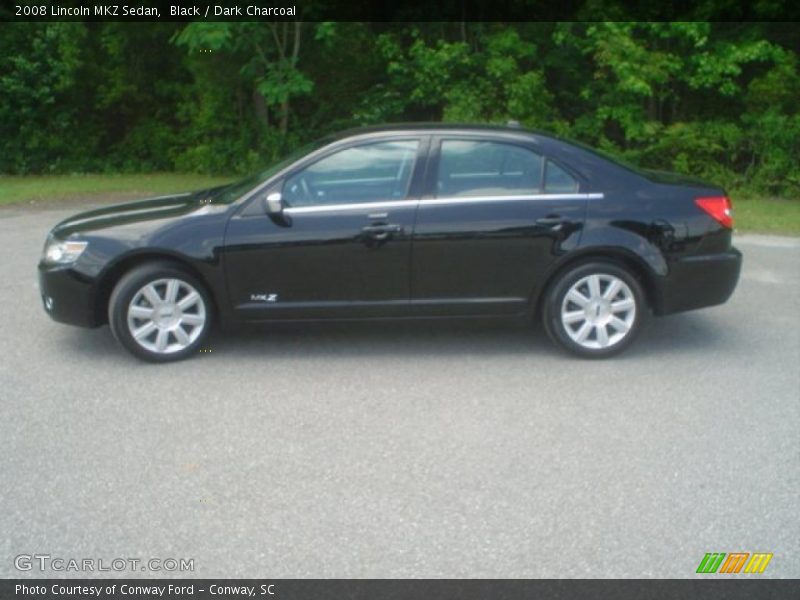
{"type": "Point", "coordinates": [408, 221]}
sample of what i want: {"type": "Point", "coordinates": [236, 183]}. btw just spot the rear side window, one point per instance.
{"type": "Point", "coordinates": [478, 168]}
{"type": "Point", "coordinates": [558, 181]}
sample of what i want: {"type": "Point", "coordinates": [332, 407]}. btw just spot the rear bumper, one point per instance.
{"type": "Point", "coordinates": [698, 281]}
{"type": "Point", "coordinates": [67, 296]}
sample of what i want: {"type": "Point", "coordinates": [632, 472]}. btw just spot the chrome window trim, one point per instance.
{"type": "Point", "coordinates": [473, 199]}
{"type": "Point", "coordinates": [298, 210]}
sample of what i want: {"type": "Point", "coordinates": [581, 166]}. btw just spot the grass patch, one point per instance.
{"type": "Point", "coordinates": [14, 189]}
{"type": "Point", "coordinates": [754, 213]}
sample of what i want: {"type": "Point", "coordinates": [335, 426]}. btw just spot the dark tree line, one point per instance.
{"type": "Point", "coordinates": [716, 99]}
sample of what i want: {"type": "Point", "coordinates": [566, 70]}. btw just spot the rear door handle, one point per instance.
{"type": "Point", "coordinates": [553, 221]}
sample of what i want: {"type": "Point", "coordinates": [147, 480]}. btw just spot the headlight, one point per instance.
{"type": "Point", "coordinates": [63, 252]}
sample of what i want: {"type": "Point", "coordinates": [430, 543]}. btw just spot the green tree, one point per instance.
{"type": "Point", "coordinates": [259, 65]}
{"type": "Point", "coordinates": [707, 97]}
{"type": "Point", "coordinates": [39, 100]}
{"type": "Point", "coordinates": [491, 75]}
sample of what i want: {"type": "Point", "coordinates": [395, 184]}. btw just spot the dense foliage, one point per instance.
{"type": "Point", "coordinates": [719, 100]}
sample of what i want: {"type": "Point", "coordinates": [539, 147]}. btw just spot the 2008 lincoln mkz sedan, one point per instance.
{"type": "Point", "coordinates": [408, 221]}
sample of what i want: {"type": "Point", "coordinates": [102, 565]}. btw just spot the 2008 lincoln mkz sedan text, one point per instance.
{"type": "Point", "coordinates": [406, 221]}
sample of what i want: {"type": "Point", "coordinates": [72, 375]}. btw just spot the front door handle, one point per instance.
{"type": "Point", "coordinates": [381, 232]}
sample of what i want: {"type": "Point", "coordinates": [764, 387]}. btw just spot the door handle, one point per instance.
{"type": "Point", "coordinates": [381, 232]}
{"type": "Point", "coordinates": [553, 221]}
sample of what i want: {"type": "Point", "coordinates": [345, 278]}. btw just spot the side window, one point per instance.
{"type": "Point", "coordinates": [367, 173]}
{"type": "Point", "coordinates": [558, 181]}
{"type": "Point", "coordinates": [478, 168]}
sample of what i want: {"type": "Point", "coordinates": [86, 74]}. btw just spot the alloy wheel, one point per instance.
{"type": "Point", "coordinates": [598, 311]}
{"type": "Point", "coordinates": [166, 316]}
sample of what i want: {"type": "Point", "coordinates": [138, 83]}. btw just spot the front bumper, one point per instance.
{"type": "Point", "coordinates": [698, 281]}
{"type": "Point", "coordinates": [67, 296]}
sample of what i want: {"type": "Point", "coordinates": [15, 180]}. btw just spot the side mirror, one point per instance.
{"type": "Point", "coordinates": [274, 204]}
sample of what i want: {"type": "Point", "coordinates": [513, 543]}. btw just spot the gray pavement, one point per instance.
{"type": "Point", "coordinates": [405, 450]}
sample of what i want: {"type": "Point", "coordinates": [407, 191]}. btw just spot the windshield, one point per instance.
{"type": "Point", "coordinates": [236, 190]}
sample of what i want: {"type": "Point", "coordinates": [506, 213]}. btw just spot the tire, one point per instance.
{"type": "Point", "coordinates": [594, 309]}
{"type": "Point", "coordinates": [159, 312]}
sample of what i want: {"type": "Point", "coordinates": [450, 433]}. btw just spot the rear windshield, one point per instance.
{"type": "Point", "coordinates": [613, 158]}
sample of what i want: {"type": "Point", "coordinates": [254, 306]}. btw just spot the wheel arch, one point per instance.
{"type": "Point", "coordinates": [114, 272]}
{"type": "Point", "coordinates": [621, 256]}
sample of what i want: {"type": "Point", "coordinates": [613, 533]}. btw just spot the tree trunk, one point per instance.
{"type": "Point", "coordinates": [285, 105]}
{"type": "Point", "coordinates": [285, 117]}
{"type": "Point", "coordinates": [260, 107]}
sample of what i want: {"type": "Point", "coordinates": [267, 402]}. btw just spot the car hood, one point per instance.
{"type": "Point", "coordinates": [139, 211]}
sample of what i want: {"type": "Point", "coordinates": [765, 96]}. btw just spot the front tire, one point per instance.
{"type": "Point", "coordinates": [594, 309]}
{"type": "Point", "coordinates": [160, 313]}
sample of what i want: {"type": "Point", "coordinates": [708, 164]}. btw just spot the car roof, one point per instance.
{"type": "Point", "coordinates": [427, 126]}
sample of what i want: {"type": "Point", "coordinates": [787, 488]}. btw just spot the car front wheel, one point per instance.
{"type": "Point", "coordinates": [594, 309]}
{"type": "Point", "coordinates": [159, 312]}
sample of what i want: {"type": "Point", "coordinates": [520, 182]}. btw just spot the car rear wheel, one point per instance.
{"type": "Point", "coordinates": [160, 313]}
{"type": "Point", "coordinates": [594, 309]}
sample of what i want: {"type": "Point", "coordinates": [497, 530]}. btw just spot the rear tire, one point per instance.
{"type": "Point", "coordinates": [594, 309]}
{"type": "Point", "coordinates": [159, 312]}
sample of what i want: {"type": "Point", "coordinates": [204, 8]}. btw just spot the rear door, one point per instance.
{"type": "Point", "coordinates": [495, 215]}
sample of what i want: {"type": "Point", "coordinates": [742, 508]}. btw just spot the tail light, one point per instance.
{"type": "Point", "coordinates": [719, 208]}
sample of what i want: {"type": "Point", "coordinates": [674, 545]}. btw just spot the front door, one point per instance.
{"type": "Point", "coordinates": [342, 247]}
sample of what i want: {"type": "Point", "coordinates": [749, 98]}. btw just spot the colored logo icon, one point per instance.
{"type": "Point", "coordinates": [713, 562]}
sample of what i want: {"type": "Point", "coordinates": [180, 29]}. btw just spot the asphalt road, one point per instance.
{"type": "Point", "coordinates": [446, 450]}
